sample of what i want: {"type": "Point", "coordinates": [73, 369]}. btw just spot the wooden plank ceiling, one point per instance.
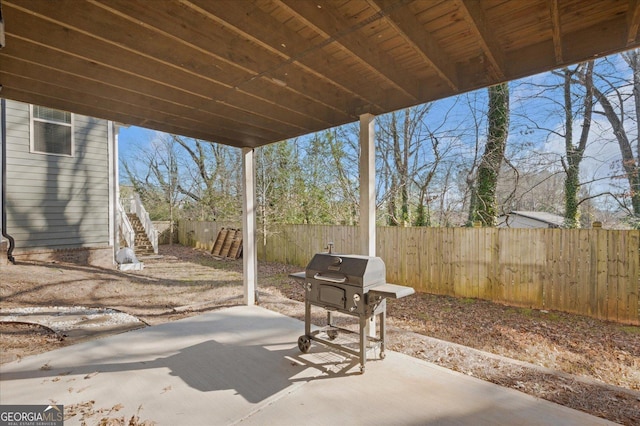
{"type": "Point", "coordinates": [248, 73]}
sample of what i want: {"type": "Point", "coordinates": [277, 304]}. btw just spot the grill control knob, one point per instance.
{"type": "Point", "coordinates": [356, 299]}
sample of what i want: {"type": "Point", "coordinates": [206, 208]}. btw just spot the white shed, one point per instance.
{"type": "Point", "coordinates": [525, 219]}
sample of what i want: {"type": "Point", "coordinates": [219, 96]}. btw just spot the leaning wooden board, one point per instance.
{"type": "Point", "coordinates": [228, 244]}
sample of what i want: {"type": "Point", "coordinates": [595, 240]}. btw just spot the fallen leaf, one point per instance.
{"type": "Point", "coordinates": [90, 375]}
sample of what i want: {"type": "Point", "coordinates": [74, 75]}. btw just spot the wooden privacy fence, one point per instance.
{"type": "Point", "coordinates": [592, 272]}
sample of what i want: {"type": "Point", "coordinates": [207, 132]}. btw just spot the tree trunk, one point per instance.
{"type": "Point", "coordinates": [489, 168]}
{"type": "Point", "coordinates": [630, 164]}
{"type": "Point", "coordinates": [633, 59]}
{"type": "Point", "coordinates": [574, 153]}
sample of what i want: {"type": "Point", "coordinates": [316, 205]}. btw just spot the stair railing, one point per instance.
{"type": "Point", "coordinates": [135, 205]}
{"type": "Point", "coordinates": [125, 228]}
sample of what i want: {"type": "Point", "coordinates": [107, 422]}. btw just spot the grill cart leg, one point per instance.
{"type": "Point", "coordinates": [383, 318]}
{"type": "Point", "coordinates": [363, 341]}
{"type": "Point", "coordinates": [383, 321]}
{"type": "Point", "coordinates": [332, 333]}
{"type": "Point", "coordinates": [307, 318]}
{"type": "Point", "coordinates": [304, 341]}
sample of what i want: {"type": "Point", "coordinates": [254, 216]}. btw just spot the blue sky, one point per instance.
{"type": "Point", "coordinates": [601, 151]}
{"type": "Point", "coordinates": [131, 137]}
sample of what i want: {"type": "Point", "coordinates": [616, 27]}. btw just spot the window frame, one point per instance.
{"type": "Point", "coordinates": [32, 134]}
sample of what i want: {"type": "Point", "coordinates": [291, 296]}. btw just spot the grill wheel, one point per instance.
{"type": "Point", "coordinates": [332, 334]}
{"type": "Point", "coordinates": [304, 343]}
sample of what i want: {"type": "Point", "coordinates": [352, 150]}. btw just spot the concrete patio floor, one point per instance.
{"type": "Point", "coordinates": [242, 365]}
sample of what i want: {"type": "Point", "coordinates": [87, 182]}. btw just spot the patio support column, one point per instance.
{"type": "Point", "coordinates": [249, 252]}
{"type": "Point", "coordinates": [114, 187]}
{"type": "Point", "coordinates": [368, 196]}
{"type": "Point", "coordinates": [367, 185]}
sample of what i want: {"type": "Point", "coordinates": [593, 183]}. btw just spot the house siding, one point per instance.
{"type": "Point", "coordinates": [57, 202]}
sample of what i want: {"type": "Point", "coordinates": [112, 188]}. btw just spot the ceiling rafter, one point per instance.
{"type": "Point", "coordinates": [138, 96]}
{"type": "Point", "coordinates": [556, 31]}
{"type": "Point", "coordinates": [50, 18]}
{"type": "Point", "coordinates": [292, 50]}
{"type": "Point", "coordinates": [321, 16]}
{"type": "Point", "coordinates": [249, 73]}
{"type": "Point", "coordinates": [633, 21]}
{"type": "Point", "coordinates": [215, 93]}
{"type": "Point", "coordinates": [413, 32]}
{"type": "Point", "coordinates": [475, 17]}
{"type": "Point", "coordinates": [298, 102]}
{"type": "Point", "coordinates": [130, 96]}
{"type": "Point", "coordinates": [67, 101]}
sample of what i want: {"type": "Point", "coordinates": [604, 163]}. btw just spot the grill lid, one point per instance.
{"type": "Point", "coordinates": [355, 270]}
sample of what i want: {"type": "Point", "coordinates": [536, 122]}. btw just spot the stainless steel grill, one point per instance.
{"type": "Point", "coordinates": [351, 284]}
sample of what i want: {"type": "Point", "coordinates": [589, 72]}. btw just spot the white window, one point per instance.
{"type": "Point", "coordinates": [51, 131]}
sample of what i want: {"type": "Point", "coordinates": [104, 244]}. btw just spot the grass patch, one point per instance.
{"type": "Point", "coordinates": [527, 312]}
{"type": "Point", "coordinates": [551, 316]}
{"type": "Point", "coordinates": [215, 263]}
{"type": "Point", "coordinates": [423, 316]}
{"type": "Point", "coordinates": [630, 329]}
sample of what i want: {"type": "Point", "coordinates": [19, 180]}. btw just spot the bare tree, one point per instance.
{"type": "Point", "coordinates": [199, 177]}
{"type": "Point", "coordinates": [412, 148]}
{"type": "Point", "coordinates": [613, 100]}
{"type": "Point", "coordinates": [489, 169]}
{"type": "Point", "coordinates": [158, 184]}
{"type": "Point", "coordinates": [215, 170]}
{"type": "Point", "coordinates": [575, 151]}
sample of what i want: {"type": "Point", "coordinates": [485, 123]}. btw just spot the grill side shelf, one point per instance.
{"type": "Point", "coordinates": [298, 276]}
{"type": "Point", "coordinates": [392, 291]}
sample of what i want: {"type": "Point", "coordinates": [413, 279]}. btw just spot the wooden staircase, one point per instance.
{"type": "Point", "coordinates": [143, 246]}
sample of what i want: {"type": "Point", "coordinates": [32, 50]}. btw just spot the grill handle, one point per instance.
{"type": "Point", "coordinates": [319, 277]}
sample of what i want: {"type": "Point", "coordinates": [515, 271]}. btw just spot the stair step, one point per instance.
{"type": "Point", "coordinates": [142, 243]}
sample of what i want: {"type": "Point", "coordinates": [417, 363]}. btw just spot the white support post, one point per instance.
{"type": "Point", "coordinates": [114, 187]}
{"type": "Point", "coordinates": [368, 196]}
{"type": "Point", "coordinates": [249, 251]}
{"type": "Point", "coordinates": [367, 185]}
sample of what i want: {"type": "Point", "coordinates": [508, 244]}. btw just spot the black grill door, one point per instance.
{"type": "Point", "coordinates": [333, 296]}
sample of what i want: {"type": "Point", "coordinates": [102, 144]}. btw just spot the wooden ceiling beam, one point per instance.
{"type": "Point", "coordinates": [299, 75]}
{"type": "Point", "coordinates": [335, 28]}
{"type": "Point", "coordinates": [224, 46]}
{"type": "Point", "coordinates": [138, 93]}
{"type": "Point", "coordinates": [633, 21]}
{"type": "Point", "coordinates": [319, 80]}
{"type": "Point", "coordinates": [64, 38]}
{"type": "Point", "coordinates": [556, 31]}
{"type": "Point", "coordinates": [475, 17]}
{"type": "Point", "coordinates": [152, 51]}
{"type": "Point", "coordinates": [422, 42]}
{"type": "Point", "coordinates": [247, 73]}
{"type": "Point", "coordinates": [604, 38]}
{"type": "Point", "coordinates": [77, 103]}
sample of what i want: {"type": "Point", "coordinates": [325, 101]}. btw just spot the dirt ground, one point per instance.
{"type": "Point", "coordinates": [579, 362]}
